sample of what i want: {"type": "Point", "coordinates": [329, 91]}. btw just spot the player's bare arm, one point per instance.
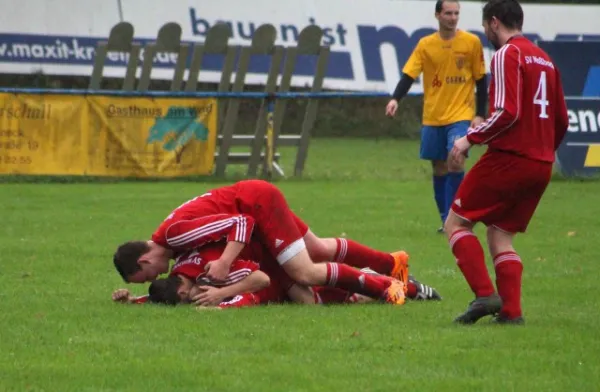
{"type": "Point", "coordinates": [125, 297]}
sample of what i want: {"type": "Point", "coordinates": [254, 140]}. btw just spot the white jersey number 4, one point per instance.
{"type": "Point", "coordinates": [541, 97]}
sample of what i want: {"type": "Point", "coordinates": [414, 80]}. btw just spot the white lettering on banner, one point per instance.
{"type": "Point", "coordinates": [583, 121]}
{"type": "Point", "coordinates": [370, 40]}
{"type": "Point", "coordinates": [68, 51]}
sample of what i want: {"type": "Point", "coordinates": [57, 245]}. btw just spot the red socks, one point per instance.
{"type": "Point", "coordinates": [412, 290]}
{"type": "Point", "coordinates": [508, 266]}
{"type": "Point", "coordinates": [471, 260]}
{"type": "Point", "coordinates": [357, 255]}
{"type": "Point", "coordinates": [509, 271]}
{"type": "Point", "coordinates": [350, 279]}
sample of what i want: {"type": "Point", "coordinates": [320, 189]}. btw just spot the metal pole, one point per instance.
{"type": "Point", "coordinates": [120, 7]}
{"type": "Point", "coordinates": [270, 137]}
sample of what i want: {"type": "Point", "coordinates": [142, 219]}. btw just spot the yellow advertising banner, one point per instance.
{"type": "Point", "coordinates": [107, 136]}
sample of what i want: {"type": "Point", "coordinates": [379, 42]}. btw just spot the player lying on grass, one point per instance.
{"type": "Point", "coordinates": [246, 285]}
{"type": "Point", "coordinates": [180, 289]}
{"type": "Point", "coordinates": [257, 209]}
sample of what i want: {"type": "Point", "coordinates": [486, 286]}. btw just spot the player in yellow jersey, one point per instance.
{"type": "Point", "coordinates": [453, 66]}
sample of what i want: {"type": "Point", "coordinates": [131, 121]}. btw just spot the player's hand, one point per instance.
{"type": "Point", "coordinates": [460, 149]}
{"type": "Point", "coordinates": [208, 296]}
{"type": "Point", "coordinates": [391, 108]}
{"type": "Point", "coordinates": [121, 295]}
{"type": "Point", "coordinates": [216, 270]}
{"type": "Point", "coordinates": [477, 121]}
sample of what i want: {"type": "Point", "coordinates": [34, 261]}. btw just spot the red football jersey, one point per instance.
{"type": "Point", "coordinates": [207, 218]}
{"type": "Point", "coordinates": [528, 113]}
{"type": "Point", "coordinates": [192, 264]}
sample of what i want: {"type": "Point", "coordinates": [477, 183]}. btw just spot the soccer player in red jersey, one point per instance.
{"type": "Point", "coordinates": [528, 120]}
{"type": "Point", "coordinates": [187, 283]}
{"type": "Point", "coordinates": [246, 285]}
{"type": "Point", "coordinates": [257, 208]}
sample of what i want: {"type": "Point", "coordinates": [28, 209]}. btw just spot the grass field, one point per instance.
{"type": "Point", "coordinates": [60, 331]}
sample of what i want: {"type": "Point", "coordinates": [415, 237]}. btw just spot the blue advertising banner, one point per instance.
{"type": "Point", "coordinates": [579, 65]}
{"type": "Point", "coordinates": [579, 153]}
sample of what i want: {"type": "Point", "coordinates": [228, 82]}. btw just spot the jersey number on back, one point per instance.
{"type": "Point", "coordinates": [540, 97]}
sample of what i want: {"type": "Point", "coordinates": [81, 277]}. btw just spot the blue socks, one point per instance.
{"type": "Point", "coordinates": [452, 184]}
{"type": "Point", "coordinates": [439, 193]}
{"type": "Point", "coordinates": [444, 190]}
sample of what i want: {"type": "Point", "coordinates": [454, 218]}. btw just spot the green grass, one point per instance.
{"type": "Point", "coordinates": [60, 331]}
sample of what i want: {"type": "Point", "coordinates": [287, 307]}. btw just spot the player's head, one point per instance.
{"type": "Point", "coordinates": [140, 261]}
{"type": "Point", "coordinates": [501, 20]}
{"type": "Point", "coordinates": [172, 290]}
{"type": "Point", "coordinates": [165, 291]}
{"type": "Point", "coordinates": [447, 12]}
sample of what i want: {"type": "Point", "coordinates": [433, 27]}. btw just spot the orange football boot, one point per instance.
{"type": "Point", "coordinates": [395, 293]}
{"type": "Point", "coordinates": [400, 270]}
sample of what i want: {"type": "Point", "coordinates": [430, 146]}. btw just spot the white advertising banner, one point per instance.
{"type": "Point", "coordinates": [370, 39]}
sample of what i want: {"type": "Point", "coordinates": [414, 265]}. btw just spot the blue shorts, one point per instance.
{"type": "Point", "coordinates": [437, 142]}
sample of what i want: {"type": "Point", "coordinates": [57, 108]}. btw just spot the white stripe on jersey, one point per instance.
{"type": "Point", "coordinates": [241, 228]}
{"type": "Point", "coordinates": [500, 93]}
{"type": "Point", "coordinates": [199, 232]}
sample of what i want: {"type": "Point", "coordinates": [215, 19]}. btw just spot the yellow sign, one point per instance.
{"type": "Point", "coordinates": [106, 136]}
{"type": "Point", "coordinates": [592, 158]}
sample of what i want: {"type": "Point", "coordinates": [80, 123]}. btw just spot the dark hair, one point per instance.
{"type": "Point", "coordinates": [164, 290]}
{"type": "Point", "coordinates": [126, 257]}
{"type": "Point", "coordinates": [509, 12]}
{"type": "Point", "coordinates": [439, 5]}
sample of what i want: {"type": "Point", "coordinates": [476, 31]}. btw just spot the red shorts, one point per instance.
{"type": "Point", "coordinates": [277, 291]}
{"type": "Point", "coordinates": [278, 228]}
{"type": "Point", "coordinates": [502, 190]}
